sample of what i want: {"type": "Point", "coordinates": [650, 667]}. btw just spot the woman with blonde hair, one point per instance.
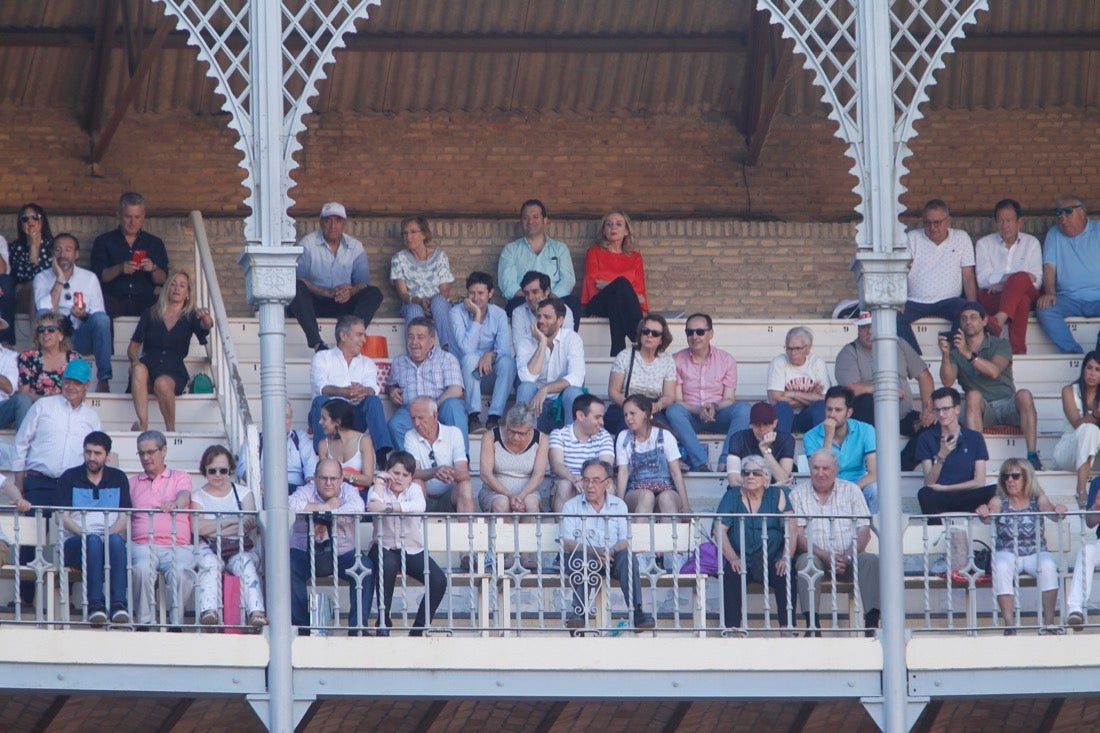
{"type": "Point", "coordinates": [1021, 546]}
{"type": "Point", "coordinates": [41, 367]}
{"type": "Point", "coordinates": [160, 344]}
{"type": "Point", "coordinates": [614, 280]}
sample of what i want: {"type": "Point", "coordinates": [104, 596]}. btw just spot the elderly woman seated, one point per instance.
{"type": "Point", "coordinates": [755, 549]}
{"type": "Point", "coordinates": [513, 464]}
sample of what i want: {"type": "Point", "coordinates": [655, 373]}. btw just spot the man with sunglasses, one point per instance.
{"type": "Point", "coordinates": [441, 461]}
{"type": "Point", "coordinates": [706, 392]}
{"type": "Point", "coordinates": [1071, 273]}
{"type": "Point", "coordinates": [942, 271]}
{"type": "Point", "coordinates": [953, 460]}
{"type": "Point", "coordinates": [74, 293]}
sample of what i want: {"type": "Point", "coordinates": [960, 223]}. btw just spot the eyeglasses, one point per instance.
{"type": "Point", "coordinates": [329, 479]}
{"type": "Point", "coordinates": [1066, 210]}
{"type": "Point", "coordinates": [223, 470]}
{"type": "Point", "coordinates": [47, 329]}
{"type": "Point", "coordinates": [431, 457]}
{"type": "Point", "coordinates": [30, 217]}
{"type": "Point", "coordinates": [1015, 476]}
{"type": "Point", "coordinates": [797, 348]}
{"type": "Point", "coordinates": [651, 332]}
{"type": "Point", "coordinates": [752, 472]}
{"type": "Point", "coordinates": [696, 331]}
{"type": "Point", "coordinates": [595, 481]}
{"type": "Point", "coordinates": [407, 232]}
{"type": "Point", "coordinates": [68, 290]}
{"type": "Point", "coordinates": [150, 452]}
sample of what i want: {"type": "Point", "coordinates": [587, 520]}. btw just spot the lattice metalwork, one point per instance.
{"type": "Point", "coordinates": [826, 33]}
{"type": "Point", "coordinates": [312, 31]}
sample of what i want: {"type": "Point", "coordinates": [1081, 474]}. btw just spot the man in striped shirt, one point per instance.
{"type": "Point", "coordinates": [572, 445]}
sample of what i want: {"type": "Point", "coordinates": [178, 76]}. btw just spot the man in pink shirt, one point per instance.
{"type": "Point", "coordinates": [706, 392]}
{"type": "Point", "coordinates": [161, 538]}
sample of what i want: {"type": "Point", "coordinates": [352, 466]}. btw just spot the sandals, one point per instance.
{"type": "Point", "coordinates": [257, 620]}
{"type": "Point", "coordinates": [209, 618]}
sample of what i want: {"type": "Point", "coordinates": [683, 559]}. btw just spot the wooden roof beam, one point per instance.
{"type": "Point", "coordinates": [148, 56]}
{"type": "Point", "coordinates": [769, 103]}
{"type": "Point", "coordinates": [97, 65]}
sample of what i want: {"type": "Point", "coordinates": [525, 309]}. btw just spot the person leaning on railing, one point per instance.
{"type": "Point", "coordinates": [397, 500]}
{"type": "Point", "coordinates": [1080, 587]}
{"type": "Point", "coordinates": [222, 529]}
{"type": "Point", "coordinates": [1021, 543]}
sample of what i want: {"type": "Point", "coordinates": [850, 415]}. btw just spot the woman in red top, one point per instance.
{"type": "Point", "coordinates": [614, 280]}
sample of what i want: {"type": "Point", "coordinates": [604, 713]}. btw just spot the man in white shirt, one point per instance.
{"type": "Point", "coordinates": [572, 445]}
{"type": "Point", "coordinates": [343, 373]}
{"type": "Point", "coordinates": [535, 287]}
{"type": "Point", "coordinates": [554, 369]}
{"type": "Point", "coordinates": [51, 438]}
{"type": "Point", "coordinates": [14, 403]}
{"type": "Point", "coordinates": [441, 461]}
{"type": "Point", "coordinates": [941, 277]}
{"type": "Point", "coordinates": [1010, 272]}
{"type": "Point", "coordinates": [75, 293]}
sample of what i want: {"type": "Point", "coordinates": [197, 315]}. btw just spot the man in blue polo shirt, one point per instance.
{"type": "Point", "coordinates": [852, 441]}
{"type": "Point", "coordinates": [96, 486]}
{"type": "Point", "coordinates": [953, 460]}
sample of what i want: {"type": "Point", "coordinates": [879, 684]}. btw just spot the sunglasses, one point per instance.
{"type": "Point", "coordinates": [47, 329]}
{"type": "Point", "coordinates": [1015, 476]}
{"type": "Point", "coordinates": [696, 331]}
{"type": "Point", "coordinates": [651, 332]}
{"type": "Point", "coordinates": [1066, 210]}
{"type": "Point", "coordinates": [223, 470]}
{"type": "Point", "coordinates": [752, 472]}
{"type": "Point", "coordinates": [30, 217]}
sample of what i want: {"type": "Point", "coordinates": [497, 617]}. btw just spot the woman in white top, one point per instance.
{"type": "Point", "coordinates": [399, 539]}
{"type": "Point", "coordinates": [1081, 404]}
{"type": "Point", "coordinates": [342, 441]}
{"type": "Point", "coordinates": [422, 278]}
{"type": "Point", "coordinates": [648, 457]}
{"type": "Point", "coordinates": [513, 464]}
{"type": "Point", "coordinates": [223, 528]}
{"type": "Point", "coordinates": [646, 369]}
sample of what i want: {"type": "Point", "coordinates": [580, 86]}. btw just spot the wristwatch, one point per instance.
{"type": "Point", "coordinates": [973, 356]}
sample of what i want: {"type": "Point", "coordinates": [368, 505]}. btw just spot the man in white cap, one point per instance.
{"type": "Point", "coordinates": [333, 276]}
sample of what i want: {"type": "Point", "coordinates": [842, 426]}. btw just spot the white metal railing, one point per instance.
{"type": "Point", "coordinates": [240, 428]}
{"type": "Point", "coordinates": [512, 575]}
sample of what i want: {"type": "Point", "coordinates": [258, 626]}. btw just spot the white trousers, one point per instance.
{"type": "Point", "coordinates": [208, 587]}
{"type": "Point", "coordinates": [1006, 565]}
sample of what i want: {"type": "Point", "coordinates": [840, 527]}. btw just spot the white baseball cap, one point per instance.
{"type": "Point", "coordinates": [864, 318]}
{"type": "Point", "coordinates": [332, 208]}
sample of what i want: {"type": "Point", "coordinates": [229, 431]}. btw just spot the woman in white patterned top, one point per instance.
{"type": "Point", "coordinates": [423, 277]}
{"type": "Point", "coordinates": [646, 369]}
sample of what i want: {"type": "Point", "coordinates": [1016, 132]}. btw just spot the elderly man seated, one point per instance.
{"type": "Point", "coordinates": [594, 534]}
{"type": "Point", "coordinates": [325, 543]}
{"type": "Point", "coordinates": [833, 530]}
{"type": "Point", "coordinates": [441, 461]}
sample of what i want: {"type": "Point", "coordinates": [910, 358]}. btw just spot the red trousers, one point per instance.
{"type": "Point", "coordinates": [1016, 300]}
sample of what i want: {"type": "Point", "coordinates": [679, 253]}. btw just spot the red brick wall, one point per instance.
{"type": "Point", "coordinates": [679, 176]}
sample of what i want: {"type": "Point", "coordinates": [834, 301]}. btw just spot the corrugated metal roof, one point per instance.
{"type": "Point", "coordinates": [591, 82]}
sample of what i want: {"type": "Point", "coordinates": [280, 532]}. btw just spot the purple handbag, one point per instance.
{"type": "Point", "coordinates": [708, 560]}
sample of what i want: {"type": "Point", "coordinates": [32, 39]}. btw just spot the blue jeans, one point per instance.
{"type": "Point", "coordinates": [525, 392]}
{"type": "Point", "coordinates": [369, 418]}
{"type": "Point", "coordinates": [451, 412]}
{"type": "Point", "coordinates": [811, 416]}
{"type": "Point", "coordinates": [499, 382]}
{"type": "Point", "coordinates": [14, 409]}
{"type": "Point", "coordinates": [1053, 321]}
{"type": "Point", "coordinates": [299, 585]}
{"type": "Point", "coordinates": [948, 309]}
{"type": "Point", "coordinates": [441, 314]}
{"type": "Point", "coordinates": [93, 575]}
{"type": "Point", "coordinates": [94, 337]}
{"type": "Point", "coordinates": [686, 426]}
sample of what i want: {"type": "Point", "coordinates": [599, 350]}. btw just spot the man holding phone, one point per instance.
{"type": "Point", "coordinates": [953, 460]}
{"type": "Point", "coordinates": [129, 262]}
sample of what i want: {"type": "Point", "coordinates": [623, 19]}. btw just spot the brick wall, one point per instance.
{"type": "Point", "coordinates": [701, 217]}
